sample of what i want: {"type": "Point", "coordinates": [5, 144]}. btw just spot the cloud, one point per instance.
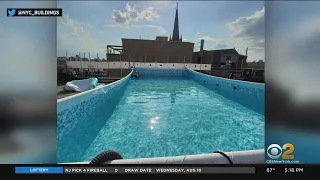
{"type": "Point", "coordinates": [160, 29]}
{"type": "Point", "coordinates": [149, 14]}
{"type": "Point", "coordinates": [119, 17]}
{"type": "Point", "coordinates": [248, 27]}
{"type": "Point", "coordinates": [249, 30]}
{"type": "Point", "coordinates": [243, 32]}
{"type": "Point", "coordinates": [131, 14]}
{"type": "Point", "coordinates": [77, 35]}
{"type": "Point", "coordinates": [126, 19]}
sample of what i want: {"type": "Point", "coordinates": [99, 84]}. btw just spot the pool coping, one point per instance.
{"type": "Point", "coordinates": [254, 156]}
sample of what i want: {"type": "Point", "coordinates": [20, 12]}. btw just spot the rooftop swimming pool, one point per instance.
{"type": "Point", "coordinates": [162, 113]}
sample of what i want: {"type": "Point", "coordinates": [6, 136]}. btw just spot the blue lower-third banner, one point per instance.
{"type": "Point", "coordinates": [39, 170]}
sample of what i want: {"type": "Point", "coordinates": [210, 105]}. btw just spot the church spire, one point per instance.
{"type": "Point", "coordinates": [175, 35]}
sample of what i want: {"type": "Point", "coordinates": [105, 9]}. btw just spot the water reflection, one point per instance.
{"type": "Point", "coordinates": [153, 121]}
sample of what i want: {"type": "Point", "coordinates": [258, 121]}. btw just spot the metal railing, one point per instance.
{"type": "Point", "coordinates": [237, 74]}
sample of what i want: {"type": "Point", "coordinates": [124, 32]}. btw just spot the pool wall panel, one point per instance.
{"type": "Point", "coordinates": [157, 72]}
{"type": "Point", "coordinates": [73, 113]}
{"type": "Point", "coordinates": [249, 94]}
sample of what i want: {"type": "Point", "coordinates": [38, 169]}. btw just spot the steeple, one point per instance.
{"type": "Point", "coordinates": [175, 35]}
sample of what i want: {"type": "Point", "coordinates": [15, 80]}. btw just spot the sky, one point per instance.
{"type": "Point", "coordinates": [88, 26]}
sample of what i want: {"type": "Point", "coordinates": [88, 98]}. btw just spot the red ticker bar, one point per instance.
{"type": "Point", "coordinates": [18, 12]}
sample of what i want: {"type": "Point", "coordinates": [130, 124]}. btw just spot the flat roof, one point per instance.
{"type": "Point", "coordinates": [128, 39]}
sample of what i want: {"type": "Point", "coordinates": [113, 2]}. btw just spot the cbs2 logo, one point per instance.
{"type": "Point", "coordinates": [274, 151]}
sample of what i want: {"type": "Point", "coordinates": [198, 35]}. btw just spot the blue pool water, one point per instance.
{"type": "Point", "coordinates": [166, 117]}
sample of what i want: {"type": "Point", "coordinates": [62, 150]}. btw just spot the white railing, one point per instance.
{"type": "Point", "coordinates": [126, 65]}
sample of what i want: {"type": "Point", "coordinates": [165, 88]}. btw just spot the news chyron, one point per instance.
{"type": "Point", "coordinates": [281, 154]}
{"type": "Point", "coordinates": [32, 12]}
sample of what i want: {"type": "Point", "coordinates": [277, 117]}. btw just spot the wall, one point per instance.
{"type": "Point", "coordinates": [139, 50]}
{"type": "Point", "coordinates": [74, 110]}
{"type": "Point", "coordinates": [87, 64]}
{"type": "Point", "coordinates": [114, 57]}
{"type": "Point", "coordinates": [233, 58]}
{"type": "Point", "coordinates": [249, 94]}
{"type": "Point", "coordinates": [148, 72]}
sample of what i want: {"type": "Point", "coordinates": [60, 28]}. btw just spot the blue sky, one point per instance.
{"type": "Point", "coordinates": [88, 26]}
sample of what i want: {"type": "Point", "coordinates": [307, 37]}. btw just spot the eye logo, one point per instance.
{"type": "Point", "coordinates": [275, 151]}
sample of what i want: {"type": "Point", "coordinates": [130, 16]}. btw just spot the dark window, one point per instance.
{"type": "Point", "coordinates": [150, 64]}
{"type": "Point", "coordinates": [172, 64]}
{"type": "Point", "coordinates": [160, 64]}
{"type": "Point", "coordinates": [228, 57]}
{"type": "Point", "coordinates": [125, 63]}
{"type": "Point", "coordinates": [114, 63]}
{"type": "Point", "coordinates": [195, 65]}
{"type": "Point", "coordinates": [137, 64]}
{"type": "Point", "coordinates": [205, 66]}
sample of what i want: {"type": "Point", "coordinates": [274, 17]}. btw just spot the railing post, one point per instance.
{"type": "Point", "coordinates": [120, 67]}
